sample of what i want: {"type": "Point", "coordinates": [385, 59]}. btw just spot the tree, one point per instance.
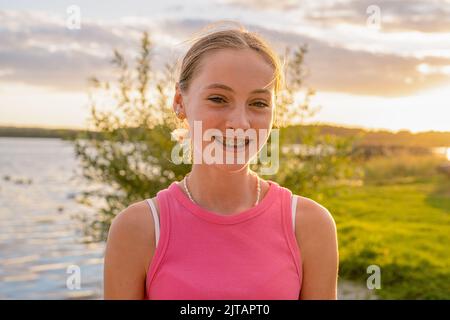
{"type": "Point", "coordinates": [132, 156]}
{"type": "Point", "coordinates": [320, 161]}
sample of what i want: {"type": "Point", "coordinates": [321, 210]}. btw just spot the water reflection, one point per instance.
{"type": "Point", "coordinates": [39, 179]}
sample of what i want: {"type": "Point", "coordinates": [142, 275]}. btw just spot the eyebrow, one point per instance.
{"type": "Point", "coordinates": [222, 86]}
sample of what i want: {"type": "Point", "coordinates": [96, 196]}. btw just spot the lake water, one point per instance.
{"type": "Point", "coordinates": [39, 241]}
{"type": "Point", "coordinates": [39, 179]}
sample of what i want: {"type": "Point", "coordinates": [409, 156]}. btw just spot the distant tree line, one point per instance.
{"type": "Point", "coordinates": [368, 138]}
{"type": "Point", "coordinates": [403, 138]}
{"type": "Point", "coordinates": [38, 132]}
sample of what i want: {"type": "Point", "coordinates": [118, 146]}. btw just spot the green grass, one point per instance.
{"type": "Point", "coordinates": [400, 222]}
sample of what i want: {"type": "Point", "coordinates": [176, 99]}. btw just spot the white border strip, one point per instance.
{"type": "Point", "coordinates": [155, 218]}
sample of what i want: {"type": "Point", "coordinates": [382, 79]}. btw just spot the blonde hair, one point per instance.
{"type": "Point", "coordinates": [230, 38]}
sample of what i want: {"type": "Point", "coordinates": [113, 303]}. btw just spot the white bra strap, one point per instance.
{"type": "Point", "coordinates": [155, 218]}
{"type": "Point", "coordinates": [294, 200]}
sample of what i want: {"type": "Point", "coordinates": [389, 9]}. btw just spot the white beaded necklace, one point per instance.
{"type": "Point", "coordinates": [258, 190]}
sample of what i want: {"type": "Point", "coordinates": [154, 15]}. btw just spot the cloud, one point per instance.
{"type": "Point", "coordinates": [37, 49]}
{"type": "Point", "coordinates": [266, 4]}
{"type": "Point", "coordinates": [396, 15]}
{"type": "Point", "coordinates": [335, 68]}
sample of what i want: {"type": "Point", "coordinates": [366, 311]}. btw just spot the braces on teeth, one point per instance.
{"type": "Point", "coordinates": [230, 142]}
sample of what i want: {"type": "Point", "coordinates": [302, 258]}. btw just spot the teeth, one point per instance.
{"type": "Point", "coordinates": [229, 142]}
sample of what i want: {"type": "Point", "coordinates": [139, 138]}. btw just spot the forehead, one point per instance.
{"type": "Point", "coordinates": [241, 69]}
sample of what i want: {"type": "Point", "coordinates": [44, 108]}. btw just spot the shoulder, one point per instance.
{"type": "Point", "coordinates": [132, 232]}
{"type": "Point", "coordinates": [313, 215]}
{"type": "Point", "coordinates": [133, 222]}
{"type": "Point", "coordinates": [129, 250]}
{"type": "Point", "coordinates": [315, 228]}
{"type": "Point", "coordinates": [317, 239]}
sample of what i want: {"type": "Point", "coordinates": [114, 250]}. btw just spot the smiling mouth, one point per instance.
{"type": "Point", "coordinates": [233, 143]}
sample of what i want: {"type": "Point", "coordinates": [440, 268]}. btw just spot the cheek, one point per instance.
{"type": "Point", "coordinates": [198, 112]}
{"type": "Point", "coordinates": [263, 125]}
{"type": "Point", "coordinates": [204, 120]}
{"type": "Point", "coordinates": [208, 117]}
{"type": "Point", "coordinates": [264, 119]}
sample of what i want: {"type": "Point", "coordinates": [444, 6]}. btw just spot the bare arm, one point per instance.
{"type": "Point", "coordinates": [317, 239]}
{"type": "Point", "coordinates": [129, 250]}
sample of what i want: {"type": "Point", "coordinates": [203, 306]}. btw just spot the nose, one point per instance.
{"type": "Point", "coordinates": [238, 118]}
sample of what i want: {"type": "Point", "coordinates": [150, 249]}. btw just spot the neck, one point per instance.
{"type": "Point", "coordinates": [222, 191]}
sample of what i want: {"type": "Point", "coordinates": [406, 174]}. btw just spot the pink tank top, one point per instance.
{"type": "Point", "coordinates": [202, 255]}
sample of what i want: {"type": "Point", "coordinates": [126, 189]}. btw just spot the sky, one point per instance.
{"type": "Point", "coordinates": [373, 64]}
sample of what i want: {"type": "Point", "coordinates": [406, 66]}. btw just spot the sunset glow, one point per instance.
{"type": "Point", "coordinates": [394, 77]}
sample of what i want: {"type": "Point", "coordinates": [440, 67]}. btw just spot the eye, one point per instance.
{"type": "Point", "coordinates": [260, 104]}
{"type": "Point", "coordinates": [217, 99]}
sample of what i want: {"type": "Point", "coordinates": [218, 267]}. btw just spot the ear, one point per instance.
{"type": "Point", "coordinates": [178, 103]}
